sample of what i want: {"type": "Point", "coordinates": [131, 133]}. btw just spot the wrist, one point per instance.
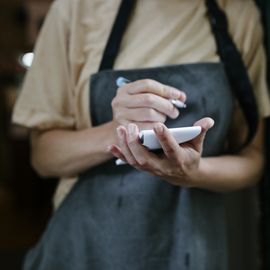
{"type": "Point", "coordinates": [111, 133]}
{"type": "Point", "coordinates": [200, 177]}
{"type": "Point", "coordinates": [100, 137]}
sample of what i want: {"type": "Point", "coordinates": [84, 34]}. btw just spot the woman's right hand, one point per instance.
{"type": "Point", "coordinates": [145, 103]}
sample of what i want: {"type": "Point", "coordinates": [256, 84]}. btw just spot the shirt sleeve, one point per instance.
{"type": "Point", "coordinates": [46, 99]}
{"type": "Point", "coordinates": [257, 72]}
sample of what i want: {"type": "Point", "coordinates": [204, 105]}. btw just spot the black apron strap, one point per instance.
{"type": "Point", "coordinates": [117, 32]}
{"type": "Point", "coordinates": [234, 66]}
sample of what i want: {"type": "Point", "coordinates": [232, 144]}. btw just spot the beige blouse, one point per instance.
{"type": "Point", "coordinates": [55, 93]}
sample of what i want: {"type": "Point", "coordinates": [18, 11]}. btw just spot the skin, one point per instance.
{"type": "Point", "coordinates": [140, 105]}
{"type": "Point", "coordinates": [182, 165]}
{"type": "Point", "coordinates": [65, 153]}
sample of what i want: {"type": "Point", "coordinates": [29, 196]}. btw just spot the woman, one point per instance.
{"type": "Point", "coordinates": [122, 217]}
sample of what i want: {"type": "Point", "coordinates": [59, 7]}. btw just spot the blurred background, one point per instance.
{"type": "Point", "coordinates": [25, 198]}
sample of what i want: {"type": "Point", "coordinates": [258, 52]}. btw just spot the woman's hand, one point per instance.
{"type": "Point", "coordinates": [145, 103]}
{"type": "Point", "coordinates": [179, 164]}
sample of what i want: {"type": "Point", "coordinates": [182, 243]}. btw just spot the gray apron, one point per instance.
{"type": "Point", "coordinates": [118, 218]}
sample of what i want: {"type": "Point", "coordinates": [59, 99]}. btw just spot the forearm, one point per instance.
{"type": "Point", "coordinates": [231, 172]}
{"type": "Point", "coordinates": [63, 153]}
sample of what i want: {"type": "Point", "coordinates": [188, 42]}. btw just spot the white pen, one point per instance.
{"type": "Point", "coordinates": [177, 103]}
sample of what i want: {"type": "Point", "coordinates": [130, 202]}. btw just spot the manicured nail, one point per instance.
{"type": "Point", "coordinates": [176, 94]}
{"type": "Point", "coordinates": [158, 129]}
{"type": "Point", "coordinates": [175, 113]}
{"type": "Point", "coordinates": [183, 97]}
{"type": "Point", "coordinates": [131, 129]}
{"type": "Point", "coordinates": [120, 132]}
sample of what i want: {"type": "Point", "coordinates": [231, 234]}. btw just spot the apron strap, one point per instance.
{"type": "Point", "coordinates": [117, 32]}
{"type": "Point", "coordinates": [235, 67]}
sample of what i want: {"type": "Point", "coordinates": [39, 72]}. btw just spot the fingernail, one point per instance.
{"type": "Point", "coordinates": [175, 113]}
{"type": "Point", "coordinates": [158, 129]}
{"type": "Point", "coordinates": [183, 97]}
{"type": "Point", "coordinates": [131, 129]}
{"type": "Point", "coordinates": [175, 93]}
{"type": "Point", "coordinates": [119, 132]}
{"type": "Point", "coordinates": [109, 148]}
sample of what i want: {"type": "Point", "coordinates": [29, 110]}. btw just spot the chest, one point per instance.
{"type": "Point", "coordinates": [158, 33]}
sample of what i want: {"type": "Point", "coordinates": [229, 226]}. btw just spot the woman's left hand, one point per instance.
{"type": "Point", "coordinates": [178, 164]}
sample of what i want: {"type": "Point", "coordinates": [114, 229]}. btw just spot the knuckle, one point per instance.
{"type": "Point", "coordinates": [149, 84]}
{"type": "Point", "coordinates": [132, 162]}
{"type": "Point", "coordinates": [158, 171]}
{"type": "Point", "coordinates": [164, 139]}
{"type": "Point", "coordinates": [147, 100]}
{"type": "Point", "coordinates": [179, 162]}
{"type": "Point", "coordinates": [143, 162]}
{"type": "Point", "coordinates": [169, 151]}
{"type": "Point", "coordinates": [114, 102]}
{"type": "Point", "coordinates": [164, 91]}
{"type": "Point", "coordinates": [169, 172]}
{"type": "Point", "coordinates": [151, 113]}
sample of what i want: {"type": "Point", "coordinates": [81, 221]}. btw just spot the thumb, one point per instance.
{"type": "Point", "coordinates": [205, 123]}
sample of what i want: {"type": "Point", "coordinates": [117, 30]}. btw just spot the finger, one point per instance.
{"type": "Point", "coordinates": [143, 157]}
{"type": "Point", "coordinates": [169, 145]}
{"type": "Point", "coordinates": [141, 115]}
{"type": "Point", "coordinates": [154, 87]}
{"type": "Point", "coordinates": [141, 125]}
{"type": "Point", "coordinates": [149, 100]}
{"type": "Point", "coordinates": [205, 123]}
{"type": "Point", "coordinates": [116, 151]}
{"type": "Point", "coordinates": [122, 141]}
{"type": "Point", "coordinates": [145, 125]}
